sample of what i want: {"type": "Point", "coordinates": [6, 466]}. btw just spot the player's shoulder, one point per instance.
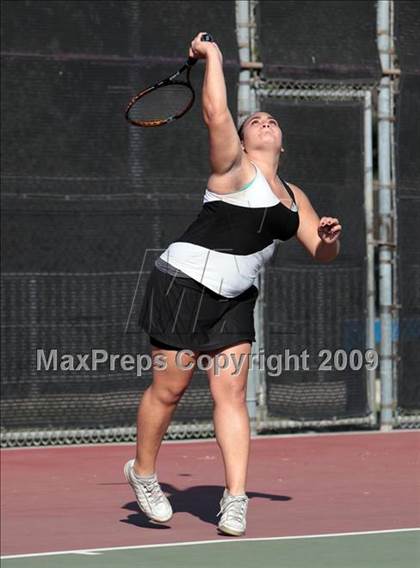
{"type": "Point", "coordinates": [293, 186]}
{"type": "Point", "coordinates": [300, 196]}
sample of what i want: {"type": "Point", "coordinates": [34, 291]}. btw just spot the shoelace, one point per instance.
{"type": "Point", "coordinates": [153, 491]}
{"type": "Point", "coordinates": [234, 508]}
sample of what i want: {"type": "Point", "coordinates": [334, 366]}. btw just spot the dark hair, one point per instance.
{"type": "Point", "coordinates": [241, 128]}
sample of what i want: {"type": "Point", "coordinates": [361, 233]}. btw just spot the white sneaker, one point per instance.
{"type": "Point", "coordinates": [149, 495]}
{"type": "Point", "coordinates": [233, 509]}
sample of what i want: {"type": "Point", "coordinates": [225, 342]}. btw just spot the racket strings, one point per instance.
{"type": "Point", "coordinates": [162, 103]}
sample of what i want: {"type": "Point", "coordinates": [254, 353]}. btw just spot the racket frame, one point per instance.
{"type": "Point", "coordinates": [162, 84]}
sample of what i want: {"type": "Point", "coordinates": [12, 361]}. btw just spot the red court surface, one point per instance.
{"type": "Point", "coordinates": [69, 498]}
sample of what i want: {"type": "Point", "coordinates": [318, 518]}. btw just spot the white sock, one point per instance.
{"type": "Point", "coordinates": [143, 477]}
{"type": "Point", "coordinates": [230, 494]}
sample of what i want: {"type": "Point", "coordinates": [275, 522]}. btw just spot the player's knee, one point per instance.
{"type": "Point", "coordinates": [230, 393]}
{"type": "Point", "coordinates": [169, 394]}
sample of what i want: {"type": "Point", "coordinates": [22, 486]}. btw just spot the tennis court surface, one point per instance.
{"type": "Point", "coordinates": [342, 500]}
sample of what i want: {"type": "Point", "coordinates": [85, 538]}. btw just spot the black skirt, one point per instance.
{"type": "Point", "coordinates": [180, 313]}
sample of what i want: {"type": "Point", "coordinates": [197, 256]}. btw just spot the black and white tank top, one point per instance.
{"type": "Point", "coordinates": [233, 236]}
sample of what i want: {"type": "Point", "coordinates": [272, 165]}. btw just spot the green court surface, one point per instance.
{"type": "Point", "coordinates": [393, 549]}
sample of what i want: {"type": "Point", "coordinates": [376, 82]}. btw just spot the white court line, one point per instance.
{"type": "Point", "coordinates": [208, 440]}
{"type": "Point", "coordinates": [194, 542]}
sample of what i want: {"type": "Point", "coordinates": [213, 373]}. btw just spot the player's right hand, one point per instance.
{"type": "Point", "coordinates": [200, 49]}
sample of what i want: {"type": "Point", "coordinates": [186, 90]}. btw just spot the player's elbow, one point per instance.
{"type": "Point", "coordinates": [215, 115]}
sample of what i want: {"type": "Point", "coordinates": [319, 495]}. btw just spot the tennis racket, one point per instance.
{"type": "Point", "coordinates": [166, 100]}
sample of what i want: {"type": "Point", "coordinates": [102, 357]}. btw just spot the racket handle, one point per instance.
{"type": "Point", "coordinates": [204, 37]}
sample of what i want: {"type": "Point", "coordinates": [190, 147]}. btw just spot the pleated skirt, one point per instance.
{"type": "Point", "coordinates": [180, 313]}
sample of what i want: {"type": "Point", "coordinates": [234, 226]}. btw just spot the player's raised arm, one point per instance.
{"type": "Point", "coordinates": [225, 146]}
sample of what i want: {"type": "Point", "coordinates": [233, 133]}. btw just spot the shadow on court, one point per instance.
{"type": "Point", "coordinates": [201, 501]}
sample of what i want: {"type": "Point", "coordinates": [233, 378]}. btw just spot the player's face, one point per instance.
{"type": "Point", "coordinates": [262, 130]}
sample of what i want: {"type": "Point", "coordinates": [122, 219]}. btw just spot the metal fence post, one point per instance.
{"type": "Point", "coordinates": [247, 105]}
{"type": "Point", "coordinates": [370, 249]}
{"type": "Point", "coordinates": [386, 220]}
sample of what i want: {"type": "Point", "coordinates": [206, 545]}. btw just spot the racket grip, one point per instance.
{"type": "Point", "coordinates": [204, 37]}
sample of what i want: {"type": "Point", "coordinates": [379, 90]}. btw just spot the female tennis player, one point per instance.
{"type": "Point", "coordinates": [202, 291]}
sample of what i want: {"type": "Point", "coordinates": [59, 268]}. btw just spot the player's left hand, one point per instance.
{"type": "Point", "coordinates": [329, 229]}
